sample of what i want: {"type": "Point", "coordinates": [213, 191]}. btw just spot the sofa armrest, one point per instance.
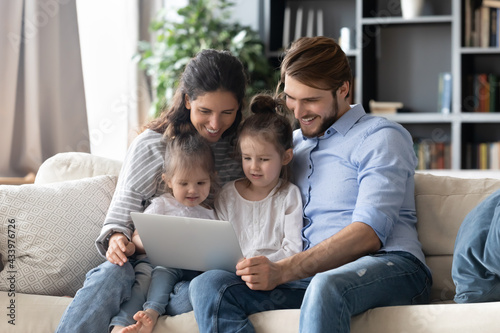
{"type": "Point", "coordinates": [73, 165]}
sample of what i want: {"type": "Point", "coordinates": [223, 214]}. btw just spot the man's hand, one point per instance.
{"type": "Point", "coordinates": [119, 249]}
{"type": "Point", "coordinates": [259, 273]}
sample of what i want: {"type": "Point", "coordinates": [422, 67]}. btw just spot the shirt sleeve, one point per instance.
{"type": "Point", "coordinates": [293, 222]}
{"type": "Point", "coordinates": [156, 206]}
{"type": "Point", "coordinates": [138, 181]}
{"type": "Point", "coordinates": [386, 163]}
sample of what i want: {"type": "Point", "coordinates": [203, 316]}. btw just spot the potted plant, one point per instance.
{"type": "Point", "coordinates": [203, 24]}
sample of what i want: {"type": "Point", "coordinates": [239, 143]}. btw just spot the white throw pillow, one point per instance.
{"type": "Point", "coordinates": [48, 233]}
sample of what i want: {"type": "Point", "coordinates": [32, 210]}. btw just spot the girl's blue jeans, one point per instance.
{"type": "Point", "coordinates": [103, 301]}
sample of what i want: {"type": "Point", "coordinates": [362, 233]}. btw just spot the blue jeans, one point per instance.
{"type": "Point", "coordinates": [163, 282]}
{"type": "Point", "coordinates": [134, 302]}
{"type": "Point", "coordinates": [222, 302]}
{"type": "Point", "coordinates": [105, 288]}
{"type": "Point", "coordinates": [327, 301]}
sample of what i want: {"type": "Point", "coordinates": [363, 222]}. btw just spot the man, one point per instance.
{"type": "Point", "coordinates": [355, 173]}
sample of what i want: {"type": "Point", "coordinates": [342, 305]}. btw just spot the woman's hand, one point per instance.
{"type": "Point", "coordinates": [119, 249]}
{"type": "Point", "coordinates": [259, 273]}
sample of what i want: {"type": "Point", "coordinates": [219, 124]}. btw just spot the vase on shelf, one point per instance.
{"type": "Point", "coordinates": [411, 8]}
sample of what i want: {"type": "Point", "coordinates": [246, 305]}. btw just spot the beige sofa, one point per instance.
{"type": "Point", "coordinates": [42, 266]}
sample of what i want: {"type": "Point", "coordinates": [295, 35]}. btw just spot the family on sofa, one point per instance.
{"type": "Point", "coordinates": [357, 240]}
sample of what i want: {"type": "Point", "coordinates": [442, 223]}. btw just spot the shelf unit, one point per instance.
{"type": "Point", "coordinates": [401, 60]}
{"type": "Point", "coordinates": [396, 59]}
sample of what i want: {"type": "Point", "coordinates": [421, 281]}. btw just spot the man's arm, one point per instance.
{"type": "Point", "coordinates": [351, 243]}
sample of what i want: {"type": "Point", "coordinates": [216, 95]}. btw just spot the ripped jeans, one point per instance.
{"type": "Point", "coordinates": [222, 302]}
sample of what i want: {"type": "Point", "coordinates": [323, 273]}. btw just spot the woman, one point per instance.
{"type": "Point", "coordinates": [208, 100]}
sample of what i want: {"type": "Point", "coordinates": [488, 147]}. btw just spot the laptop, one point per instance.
{"type": "Point", "coordinates": [188, 243]}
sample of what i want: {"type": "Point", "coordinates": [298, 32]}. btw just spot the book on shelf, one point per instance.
{"type": "Point", "coordinates": [300, 20]}
{"type": "Point", "coordinates": [481, 93]}
{"type": "Point", "coordinates": [484, 35]}
{"type": "Point", "coordinates": [493, 36]}
{"type": "Point", "coordinates": [481, 23]}
{"type": "Point", "coordinates": [444, 93]}
{"type": "Point", "coordinates": [482, 155]}
{"type": "Point", "coordinates": [377, 107]}
{"type": "Point", "coordinates": [482, 90]}
{"type": "Point", "coordinates": [432, 155]}
{"type": "Point", "coordinates": [484, 26]}
{"type": "Point", "coordinates": [494, 98]}
{"type": "Point", "coordinates": [467, 23]}
{"type": "Point", "coordinates": [494, 152]}
{"type": "Point", "coordinates": [286, 27]}
{"type": "Point", "coordinates": [298, 23]}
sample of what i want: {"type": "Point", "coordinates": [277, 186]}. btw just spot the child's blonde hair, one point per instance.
{"type": "Point", "coordinates": [268, 121]}
{"type": "Point", "coordinates": [188, 151]}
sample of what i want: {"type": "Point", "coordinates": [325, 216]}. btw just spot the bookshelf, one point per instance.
{"type": "Point", "coordinates": [335, 15]}
{"type": "Point", "coordinates": [479, 128]}
{"type": "Point", "coordinates": [400, 60]}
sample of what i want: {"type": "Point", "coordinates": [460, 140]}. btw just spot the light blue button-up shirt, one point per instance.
{"type": "Point", "coordinates": [360, 170]}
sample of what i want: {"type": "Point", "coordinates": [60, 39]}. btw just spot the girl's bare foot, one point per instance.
{"type": "Point", "coordinates": [147, 319]}
{"type": "Point", "coordinates": [135, 328]}
{"type": "Point", "coordinates": [117, 329]}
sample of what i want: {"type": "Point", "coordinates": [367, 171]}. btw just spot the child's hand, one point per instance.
{"type": "Point", "coordinates": [119, 249]}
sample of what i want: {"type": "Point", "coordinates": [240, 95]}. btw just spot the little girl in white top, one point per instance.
{"type": "Point", "coordinates": [265, 208]}
{"type": "Point", "coordinates": [190, 178]}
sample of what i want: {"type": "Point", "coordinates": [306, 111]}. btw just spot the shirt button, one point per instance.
{"type": "Point", "coordinates": [328, 132]}
{"type": "Point", "coordinates": [310, 166]}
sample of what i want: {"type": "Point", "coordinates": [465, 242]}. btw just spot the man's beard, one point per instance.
{"type": "Point", "coordinates": [325, 122]}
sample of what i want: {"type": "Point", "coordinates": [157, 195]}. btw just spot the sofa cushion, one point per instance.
{"type": "Point", "coordinates": [476, 260]}
{"type": "Point", "coordinates": [74, 165]}
{"type": "Point", "coordinates": [442, 204]}
{"type": "Point", "coordinates": [47, 234]}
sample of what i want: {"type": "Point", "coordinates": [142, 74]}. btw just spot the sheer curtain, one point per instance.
{"type": "Point", "coordinates": [42, 101]}
{"type": "Point", "coordinates": [117, 93]}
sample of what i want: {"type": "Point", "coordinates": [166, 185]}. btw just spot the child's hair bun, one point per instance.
{"type": "Point", "coordinates": [263, 104]}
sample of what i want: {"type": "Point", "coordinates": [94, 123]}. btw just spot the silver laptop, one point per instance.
{"type": "Point", "coordinates": [188, 243]}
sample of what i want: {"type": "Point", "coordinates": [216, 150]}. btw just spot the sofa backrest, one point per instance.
{"type": "Point", "coordinates": [72, 165]}
{"type": "Point", "coordinates": [442, 203]}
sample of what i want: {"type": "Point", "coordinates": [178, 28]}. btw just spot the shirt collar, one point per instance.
{"type": "Point", "coordinates": [346, 122]}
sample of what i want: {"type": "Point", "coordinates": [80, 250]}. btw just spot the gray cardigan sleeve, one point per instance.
{"type": "Point", "coordinates": [139, 181]}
